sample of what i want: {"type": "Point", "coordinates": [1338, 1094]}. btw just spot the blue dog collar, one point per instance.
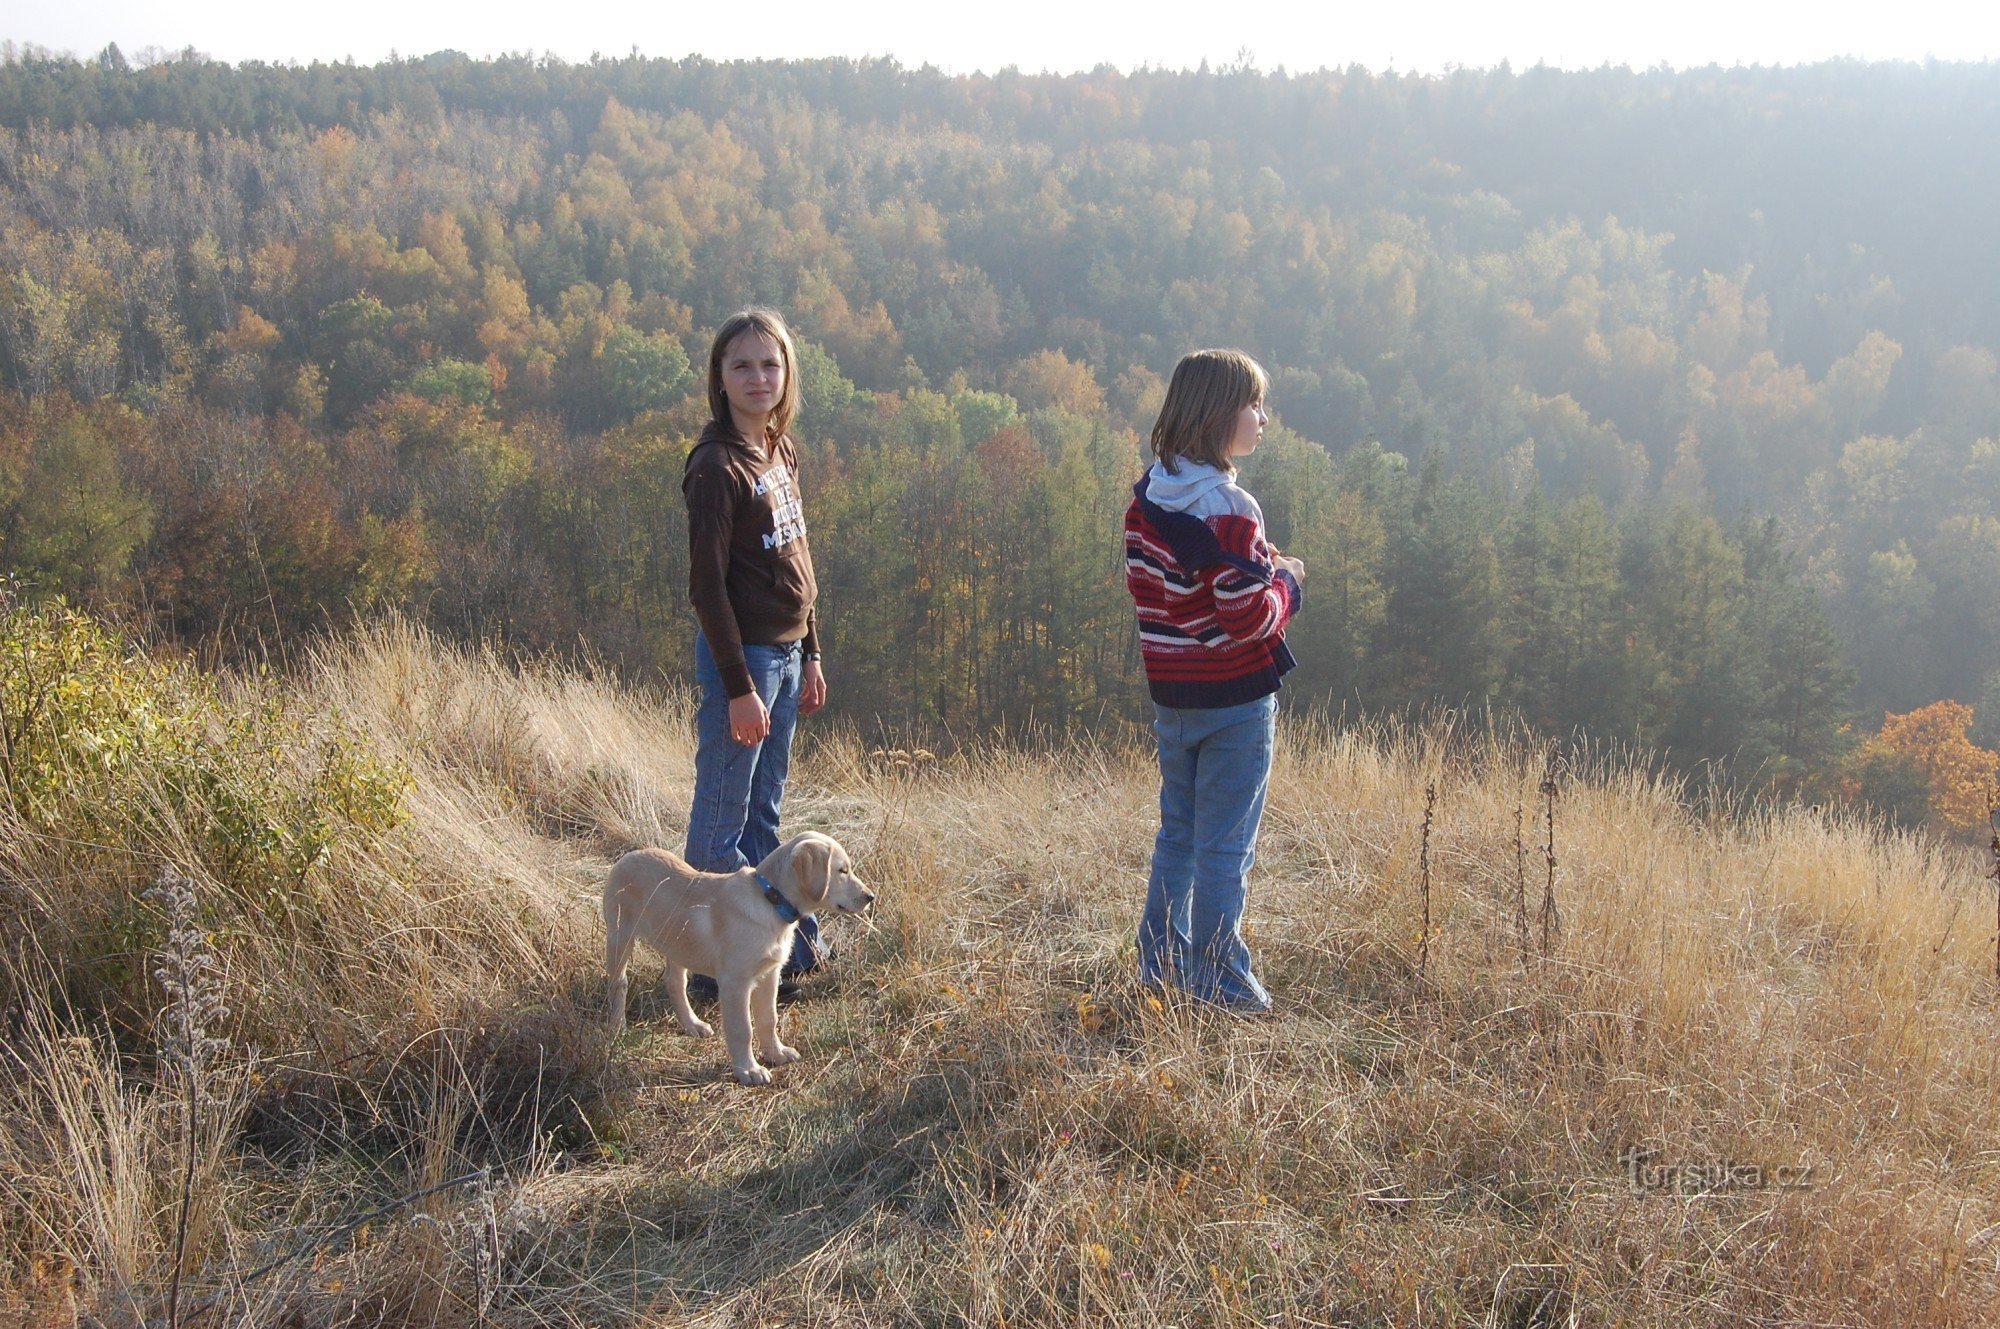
{"type": "Point", "coordinates": [787, 911]}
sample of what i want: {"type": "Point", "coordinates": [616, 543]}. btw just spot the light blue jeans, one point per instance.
{"type": "Point", "coordinates": [737, 787]}
{"type": "Point", "coordinates": [1215, 766]}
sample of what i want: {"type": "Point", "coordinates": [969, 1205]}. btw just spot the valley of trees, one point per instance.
{"type": "Point", "coordinates": [1660, 405]}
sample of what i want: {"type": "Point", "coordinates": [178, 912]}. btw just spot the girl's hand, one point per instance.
{"type": "Point", "coordinates": [812, 688]}
{"type": "Point", "coordinates": [1292, 565]}
{"type": "Point", "coordinates": [749, 722]}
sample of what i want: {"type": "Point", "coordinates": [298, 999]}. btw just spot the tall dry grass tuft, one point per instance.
{"type": "Point", "coordinates": [1738, 1091]}
{"type": "Point", "coordinates": [80, 1152]}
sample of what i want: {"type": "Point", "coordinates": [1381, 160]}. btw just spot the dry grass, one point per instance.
{"type": "Point", "coordinates": [993, 1123]}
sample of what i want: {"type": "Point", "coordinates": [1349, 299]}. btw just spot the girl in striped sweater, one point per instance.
{"type": "Point", "coordinates": [1214, 596]}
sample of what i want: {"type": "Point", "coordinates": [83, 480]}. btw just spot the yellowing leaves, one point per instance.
{"type": "Point", "coordinates": [1960, 772]}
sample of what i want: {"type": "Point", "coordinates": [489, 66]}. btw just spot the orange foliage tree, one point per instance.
{"type": "Point", "coordinates": [1960, 772]}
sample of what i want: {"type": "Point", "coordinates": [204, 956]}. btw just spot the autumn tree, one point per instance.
{"type": "Point", "coordinates": [1961, 775]}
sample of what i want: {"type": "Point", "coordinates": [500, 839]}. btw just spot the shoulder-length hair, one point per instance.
{"type": "Point", "coordinates": [772, 324]}
{"type": "Point", "coordinates": [1208, 391]}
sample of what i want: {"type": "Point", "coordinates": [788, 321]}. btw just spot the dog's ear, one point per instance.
{"type": "Point", "coordinates": [812, 870]}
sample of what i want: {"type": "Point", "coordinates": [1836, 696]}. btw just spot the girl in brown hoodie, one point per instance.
{"type": "Point", "coordinates": [750, 578]}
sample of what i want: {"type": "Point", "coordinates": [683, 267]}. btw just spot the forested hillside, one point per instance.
{"type": "Point", "coordinates": [1663, 404]}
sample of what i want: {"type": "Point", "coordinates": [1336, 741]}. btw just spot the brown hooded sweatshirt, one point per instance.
{"type": "Point", "coordinates": [750, 572]}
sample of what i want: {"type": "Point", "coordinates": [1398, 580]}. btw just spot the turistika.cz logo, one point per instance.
{"type": "Point", "coordinates": [1646, 1174]}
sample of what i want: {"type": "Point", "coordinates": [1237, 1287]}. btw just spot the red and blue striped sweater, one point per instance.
{"type": "Point", "coordinates": [1212, 603]}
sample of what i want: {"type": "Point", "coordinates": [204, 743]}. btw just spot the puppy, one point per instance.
{"type": "Point", "coordinates": [734, 925]}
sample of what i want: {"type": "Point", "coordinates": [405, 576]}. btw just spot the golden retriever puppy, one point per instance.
{"type": "Point", "coordinates": [734, 925]}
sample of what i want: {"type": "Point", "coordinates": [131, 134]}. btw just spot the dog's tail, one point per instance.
{"type": "Point", "coordinates": [614, 901]}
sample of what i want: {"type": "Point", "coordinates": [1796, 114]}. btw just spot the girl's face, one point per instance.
{"type": "Point", "coordinates": [753, 377]}
{"type": "Point", "coordinates": [1249, 429]}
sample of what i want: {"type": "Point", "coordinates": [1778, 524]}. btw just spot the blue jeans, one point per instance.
{"type": "Point", "coordinates": [1215, 765]}
{"type": "Point", "coordinates": [738, 787]}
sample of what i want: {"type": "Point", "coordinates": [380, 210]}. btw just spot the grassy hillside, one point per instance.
{"type": "Point", "coordinates": [992, 1122]}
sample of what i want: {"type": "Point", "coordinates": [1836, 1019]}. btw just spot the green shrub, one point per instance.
{"type": "Point", "coordinates": [135, 761]}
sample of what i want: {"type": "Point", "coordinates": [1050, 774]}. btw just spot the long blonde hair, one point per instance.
{"type": "Point", "coordinates": [772, 324]}
{"type": "Point", "coordinates": [1208, 391]}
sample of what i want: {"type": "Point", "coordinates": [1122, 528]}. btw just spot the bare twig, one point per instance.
{"type": "Point", "coordinates": [1424, 876]}
{"type": "Point", "coordinates": [1521, 929]}
{"type": "Point", "coordinates": [1551, 915]}
{"type": "Point", "coordinates": [1993, 820]}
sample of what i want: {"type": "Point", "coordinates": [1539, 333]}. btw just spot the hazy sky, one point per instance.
{"type": "Point", "coordinates": [1063, 35]}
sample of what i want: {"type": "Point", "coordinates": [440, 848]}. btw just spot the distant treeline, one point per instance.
{"type": "Point", "coordinates": [1661, 404]}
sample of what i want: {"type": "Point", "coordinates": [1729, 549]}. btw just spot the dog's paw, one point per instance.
{"type": "Point", "coordinates": [753, 1074]}
{"type": "Point", "coordinates": [781, 1055]}
{"type": "Point", "coordinates": [697, 1029]}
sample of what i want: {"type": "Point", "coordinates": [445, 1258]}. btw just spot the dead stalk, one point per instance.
{"type": "Point", "coordinates": [187, 971]}
{"type": "Point", "coordinates": [1551, 916]}
{"type": "Point", "coordinates": [1424, 876]}
{"type": "Point", "coordinates": [1993, 820]}
{"type": "Point", "coordinates": [1521, 929]}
